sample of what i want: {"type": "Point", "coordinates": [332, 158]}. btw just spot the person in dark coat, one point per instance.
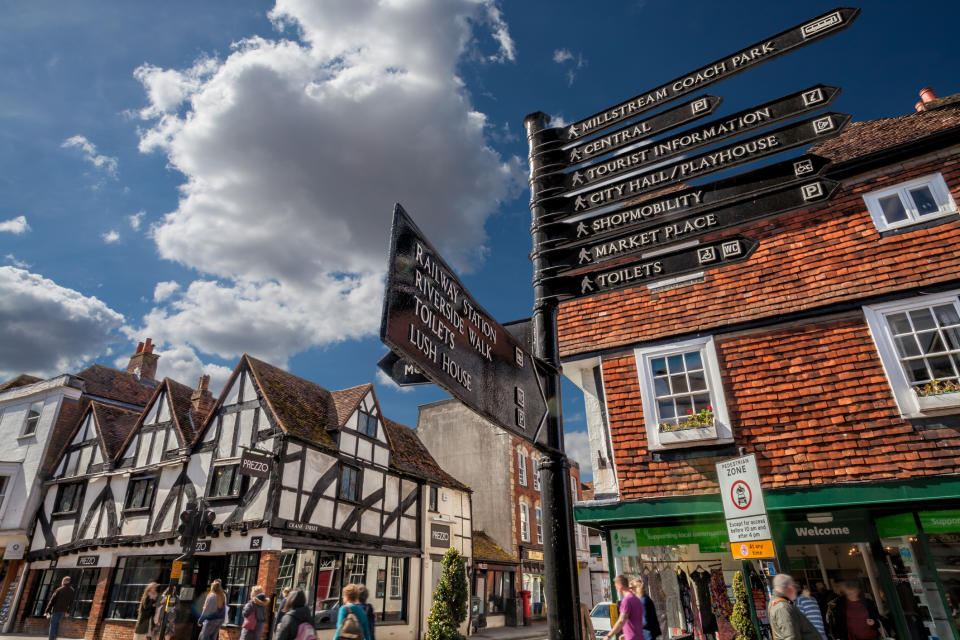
{"type": "Point", "coordinates": [256, 611]}
{"type": "Point", "coordinates": [59, 605]}
{"type": "Point", "coordinates": [146, 612]}
{"type": "Point", "coordinates": [853, 617]}
{"type": "Point", "coordinates": [362, 595]}
{"type": "Point", "coordinates": [295, 612]}
{"type": "Point", "coordinates": [651, 625]}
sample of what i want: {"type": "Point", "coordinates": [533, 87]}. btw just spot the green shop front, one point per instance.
{"type": "Point", "coordinates": [900, 542]}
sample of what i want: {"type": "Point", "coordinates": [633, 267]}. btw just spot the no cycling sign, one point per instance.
{"type": "Point", "coordinates": [747, 526]}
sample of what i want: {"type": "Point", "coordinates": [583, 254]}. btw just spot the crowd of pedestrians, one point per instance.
{"type": "Point", "coordinates": [824, 615]}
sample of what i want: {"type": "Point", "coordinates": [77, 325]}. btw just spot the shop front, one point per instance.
{"type": "Point", "coordinates": [531, 591]}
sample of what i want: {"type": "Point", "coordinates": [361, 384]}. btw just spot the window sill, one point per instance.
{"type": "Point", "coordinates": [939, 404]}
{"type": "Point", "coordinates": [64, 514]}
{"type": "Point", "coordinates": [926, 222]}
{"type": "Point", "coordinates": [24, 436]}
{"type": "Point", "coordinates": [687, 436]}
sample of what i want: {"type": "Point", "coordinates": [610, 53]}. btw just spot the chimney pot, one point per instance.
{"type": "Point", "coordinates": [139, 347]}
{"type": "Point", "coordinates": [143, 363]}
{"type": "Point", "coordinates": [919, 106]}
{"type": "Point", "coordinates": [927, 94]}
{"type": "Point", "coordinates": [148, 346]}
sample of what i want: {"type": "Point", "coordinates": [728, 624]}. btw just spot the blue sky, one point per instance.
{"type": "Point", "coordinates": [244, 156]}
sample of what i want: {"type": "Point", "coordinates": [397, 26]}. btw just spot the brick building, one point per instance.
{"type": "Point", "coordinates": [832, 354]}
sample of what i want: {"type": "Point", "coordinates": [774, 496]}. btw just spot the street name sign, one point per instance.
{"type": "Point", "coordinates": [430, 320]}
{"type": "Point", "coordinates": [675, 230]}
{"type": "Point", "coordinates": [403, 372]}
{"type": "Point", "coordinates": [754, 55]}
{"type": "Point", "coordinates": [804, 132]}
{"type": "Point", "coordinates": [707, 134]}
{"type": "Point", "coordinates": [666, 265]}
{"type": "Point", "coordinates": [747, 526]}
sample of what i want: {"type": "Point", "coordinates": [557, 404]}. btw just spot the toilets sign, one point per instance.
{"type": "Point", "coordinates": [743, 507]}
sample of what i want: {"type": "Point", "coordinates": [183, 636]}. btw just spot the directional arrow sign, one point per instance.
{"type": "Point", "coordinates": [811, 130]}
{"type": "Point", "coordinates": [725, 191]}
{"type": "Point", "coordinates": [643, 129]}
{"type": "Point", "coordinates": [756, 54]}
{"type": "Point", "coordinates": [675, 230]}
{"type": "Point", "coordinates": [403, 373]}
{"type": "Point", "coordinates": [732, 126]}
{"type": "Point", "coordinates": [431, 320]}
{"type": "Point", "coordinates": [668, 265]}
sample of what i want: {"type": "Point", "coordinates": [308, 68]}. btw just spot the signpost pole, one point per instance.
{"type": "Point", "coordinates": [563, 601]}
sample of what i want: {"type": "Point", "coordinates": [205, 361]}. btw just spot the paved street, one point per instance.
{"type": "Point", "coordinates": [537, 631]}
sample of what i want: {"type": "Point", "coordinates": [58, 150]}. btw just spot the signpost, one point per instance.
{"type": "Point", "coordinates": [403, 372]}
{"type": "Point", "coordinates": [747, 526]}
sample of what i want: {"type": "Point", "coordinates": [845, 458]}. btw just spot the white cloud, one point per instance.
{"type": "Point", "coordinates": [577, 446]}
{"type": "Point", "coordinates": [562, 55]}
{"type": "Point", "coordinates": [111, 236]}
{"type": "Point", "coordinates": [181, 363]}
{"type": "Point", "coordinates": [136, 220]}
{"type": "Point", "coordinates": [294, 152]}
{"type": "Point", "coordinates": [15, 226]}
{"type": "Point", "coordinates": [12, 259]}
{"type": "Point", "coordinates": [558, 122]}
{"type": "Point", "coordinates": [108, 164]}
{"type": "Point", "coordinates": [48, 329]}
{"type": "Point", "coordinates": [386, 381]}
{"type": "Point", "coordinates": [164, 290]}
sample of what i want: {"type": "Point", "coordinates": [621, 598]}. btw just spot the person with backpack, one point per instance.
{"type": "Point", "coordinates": [352, 623]}
{"type": "Point", "coordinates": [254, 615]}
{"type": "Point", "coordinates": [146, 611]}
{"type": "Point", "coordinates": [296, 621]}
{"type": "Point", "coordinates": [362, 595]}
{"type": "Point", "coordinates": [214, 612]}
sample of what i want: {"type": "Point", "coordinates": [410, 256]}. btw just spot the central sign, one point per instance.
{"type": "Point", "coordinates": [431, 320]}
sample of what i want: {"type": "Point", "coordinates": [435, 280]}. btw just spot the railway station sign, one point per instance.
{"type": "Point", "coordinates": [431, 320]}
{"type": "Point", "coordinates": [747, 526]}
{"type": "Point", "coordinates": [403, 372]}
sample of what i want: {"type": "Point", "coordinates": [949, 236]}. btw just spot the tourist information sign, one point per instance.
{"type": "Point", "coordinates": [756, 54]}
{"type": "Point", "coordinates": [431, 320]}
{"type": "Point", "coordinates": [673, 230]}
{"type": "Point", "coordinates": [403, 372]}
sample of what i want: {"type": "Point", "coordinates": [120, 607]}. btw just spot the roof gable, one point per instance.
{"type": "Point", "coordinates": [346, 401]}
{"type": "Point", "coordinates": [114, 424]}
{"type": "Point", "coordinates": [178, 407]}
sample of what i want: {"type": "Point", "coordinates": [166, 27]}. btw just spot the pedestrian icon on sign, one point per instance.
{"type": "Point", "coordinates": [741, 496]}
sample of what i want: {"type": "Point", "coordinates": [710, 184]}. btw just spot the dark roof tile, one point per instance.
{"type": "Point", "coordinates": [115, 425]}
{"type": "Point", "coordinates": [485, 549]}
{"type": "Point", "coordinates": [345, 401]}
{"type": "Point", "coordinates": [21, 380]}
{"type": "Point", "coordinates": [410, 456]}
{"type": "Point", "coordinates": [113, 384]}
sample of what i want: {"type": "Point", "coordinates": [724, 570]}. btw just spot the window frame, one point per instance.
{"type": "Point", "coordinates": [77, 497]}
{"type": "Point", "coordinates": [938, 188]}
{"type": "Point", "coordinates": [908, 402]}
{"type": "Point", "coordinates": [524, 522]}
{"type": "Point", "coordinates": [84, 581]}
{"type": "Point", "coordinates": [131, 488]}
{"type": "Point", "coordinates": [238, 583]}
{"type": "Point", "coordinates": [364, 420]}
{"type": "Point", "coordinates": [28, 417]}
{"type": "Point", "coordinates": [521, 468]}
{"type": "Point", "coordinates": [358, 486]}
{"type": "Point", "coordinates": [242, 480]}
{"type": "Point", "coordinates": [126, 565]}
{"type": "Point", "coordinates": [720, 433]}
{"type": "Point", "coordinates": [433, 499]}
{"type": "Point", "coordinates": [538, 512]}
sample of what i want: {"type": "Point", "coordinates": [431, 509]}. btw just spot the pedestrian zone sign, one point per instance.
{"type": "Point", "coordinates": [747, 526]}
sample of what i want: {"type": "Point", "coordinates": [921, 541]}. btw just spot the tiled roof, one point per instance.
{"type": "Point", "coordinates": [586, 490]}
{"type": "Point", "coordinates": [63, 429]}
{"type": "Point", "coordinates": [410, 456]}
{"type": "Point", "coordinates": [115, 425]}
{"type": "Point", "coordinates": [345, 401]}
{"type": "Point", "coordinates": [21, 380]}
{"type": "Point", "coordinates": [112, 384]}
{"type": "Point", "coordinates": [303, 408]}
{"type": "Point", "coordinates": [486, 550]}
{"type": "Point", "coordinates": [862, 138]}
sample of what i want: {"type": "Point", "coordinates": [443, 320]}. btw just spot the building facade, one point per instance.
{"type": "Point", "coordinates": [831, 355]}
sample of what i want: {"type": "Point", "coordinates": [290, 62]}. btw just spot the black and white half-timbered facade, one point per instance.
{"type": "Point", "coordinates": [348, 497]}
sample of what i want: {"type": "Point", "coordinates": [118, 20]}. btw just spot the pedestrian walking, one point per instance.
{"type": "Point", "coordinates": [362, 594]}
{"type": "Point", "coordinates": [296, 620]}
{"type": "Point", "coordinates": [853, 617]}
{"type": "Point", "coordinates": [824, 597]}
{"type": "Point", "coordinates": [283, 600]}
{"type": "Point", "coordinates": [213, 613]}
{"type": "Point", "coordinates": [785, 619]}
{"type": "Point", "coordinates": [630, 621]}
{"type": "Point", "coordinates": [164, 617]}
{"type": "Point", "coordinates": [352, 623]}
{"type": "Point", "coordinates": [651, 624]}
{"type": "Point", "coordinates": [254, 615]}
{"type": "Point", "coordinates": [810, 608]}
{"type": "Point", "coordinates": [146, 612]}
{"type": "Point", "coordinates": [59, 605]}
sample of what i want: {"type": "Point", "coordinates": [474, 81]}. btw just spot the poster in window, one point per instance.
{"type": "Point", "coordinates": [381, 583]}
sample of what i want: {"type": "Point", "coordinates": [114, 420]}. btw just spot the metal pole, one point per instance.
{"type": "Point", "coordinates": [562, 597]}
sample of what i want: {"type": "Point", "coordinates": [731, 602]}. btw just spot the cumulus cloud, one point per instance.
{"type": "Point", "coordinates": [15, 226]}
{"type": "Point", "coordinates": [46, 329]}
{"type": "Point", "coordinates": [164, 290]}
{"type": "Point", "coordinates": [136, 220]}
{"type": "Point", "coordinates": [181, 363]}
{"type": "Point", "coordinates": [293, 153]}
{"type": "Point", "coordinates": [562, 55]}
{"type": "Point", "coordinates": [110, 237]}
{"type": "Point", "coordinates": [107, 164]}
{"type": "Point", "coordinates": [577, 446]}
{"type": "Point", "coordinates": [12, 259]}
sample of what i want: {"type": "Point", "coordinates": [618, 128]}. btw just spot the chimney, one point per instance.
{"type": "Point", "coordinates": [143, 364]}
{"type": "Point", "coordinates": [202, 399]}
{"type": "Point", "coordinates": [926, 95]}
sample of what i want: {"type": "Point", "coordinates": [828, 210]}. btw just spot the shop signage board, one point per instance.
{"type": "Point", "coordinates": [430, 319]}
{"type": "Point", "coordinates": [13, 551]}
{"type": "Point", "coordinates": [940, 521]}
{"type": "Point", "coordinates": [255, 463]}
{"type": "Point", "coordinates": [744, 508]}
{"type": "Point", "coordinates": [624, 542]}
{"type": "Point", "coordinates": [754, 55]}
{"type": "Point", "coordinates": [535, 556]}
{"type": "Point", "coordinates": [439, 535]}
{"type": "Point", "coordinates": [848, 530]}
{"type": "Point", "coordinates": [403, 372]}
{"type": "Point", "coordinates": [669, 232]}
{"type": "Point", "coordinates": [689, 140]}
{"type": "Point", "coordinates": [88, 561]}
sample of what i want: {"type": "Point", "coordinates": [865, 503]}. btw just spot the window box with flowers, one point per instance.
{"type": "Point", "coordinates": [938, 395]}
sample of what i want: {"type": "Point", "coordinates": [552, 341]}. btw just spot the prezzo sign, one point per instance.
{"type": "Point", "coordinates": [439, 535]}
{"type": "Point", "coordinates": [88, 561]}
{"type": "Point", "coordinates": [743, 506]}
{"type": "Point", "coordinates": [255, 463]}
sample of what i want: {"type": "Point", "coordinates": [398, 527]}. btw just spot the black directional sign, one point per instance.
{"type": "Point", "coordinates": [673, 230]}
{"type": "Point", "coordinates": [683, 142]}
{"type": "Point", "coordinates": [756, 54]}
{"type": "Point", "coordinates": [667, 265]}
{"type": "Point", "coordinates": [723, 192]}
{"type": "Point", "coordinates": [402, 372]}
{"type": "Point", "coordinates": [431, 320]}
{"type": "Point", "coordinates": [805, 132]}
{"type": "Point", "coordinates": [642, 129]}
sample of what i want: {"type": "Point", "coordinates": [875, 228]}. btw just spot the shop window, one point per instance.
{"type": "Point", "coordinates": [140, 492]}
{"type": "Point", "coordinates": [350, 483]}
{"type": "Point", "coordinates": [521, 469]}
{"type": "Point", "coordinates": [367, 424]}
{"type": "Point", "coordinates": [396, 579]}
{"type": "Point", "coordinates": [911, 202]}
{"type": "Point", "coordinates": [539, 526]}
{"type": "Point", "coordinates": [227, 481]}
{"type": "Point", "coordinates": [68, 498]}
{"type": "Point", "coordinates": [434, 499]}
{"type": "Point", "coordinates": [132, 575]}
{"type": "Point", "coordinates": [919, 346]}
{"type": "Point", "coordinates": [524, 522]}
{"type": "Point", "coordinates": [241, 576]}
{"type": "Point", "coordinates": [84, 581]}
{"type": "Point", "coordinates": [33, 418]}
{"type": "Point", "coordinates": [499, 588]}
{"type": "Point", "coordinates": [683, 404]}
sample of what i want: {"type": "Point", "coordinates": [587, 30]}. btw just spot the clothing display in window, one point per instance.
{"type": "Point", "coordinates": [702, 581]}
{"type": "Point", "coordinates": [654, 585]}
{"type": "Point", "coordinates": [686, 599]}
{"type": "Point", "coordinates": [672, 606]}
{"type": "Point", "coordinates": [719, 599]}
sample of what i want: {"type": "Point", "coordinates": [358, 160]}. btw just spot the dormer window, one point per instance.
{"type": "Point", "coordinates": [33, 418]}
{"type": "Point", "coordinates": [910, 203]}
{"type": "Point", "coordinates": [367, 424]}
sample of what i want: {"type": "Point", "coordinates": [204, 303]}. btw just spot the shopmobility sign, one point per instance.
{"type": "Point", "coordinates": [747, 526]}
